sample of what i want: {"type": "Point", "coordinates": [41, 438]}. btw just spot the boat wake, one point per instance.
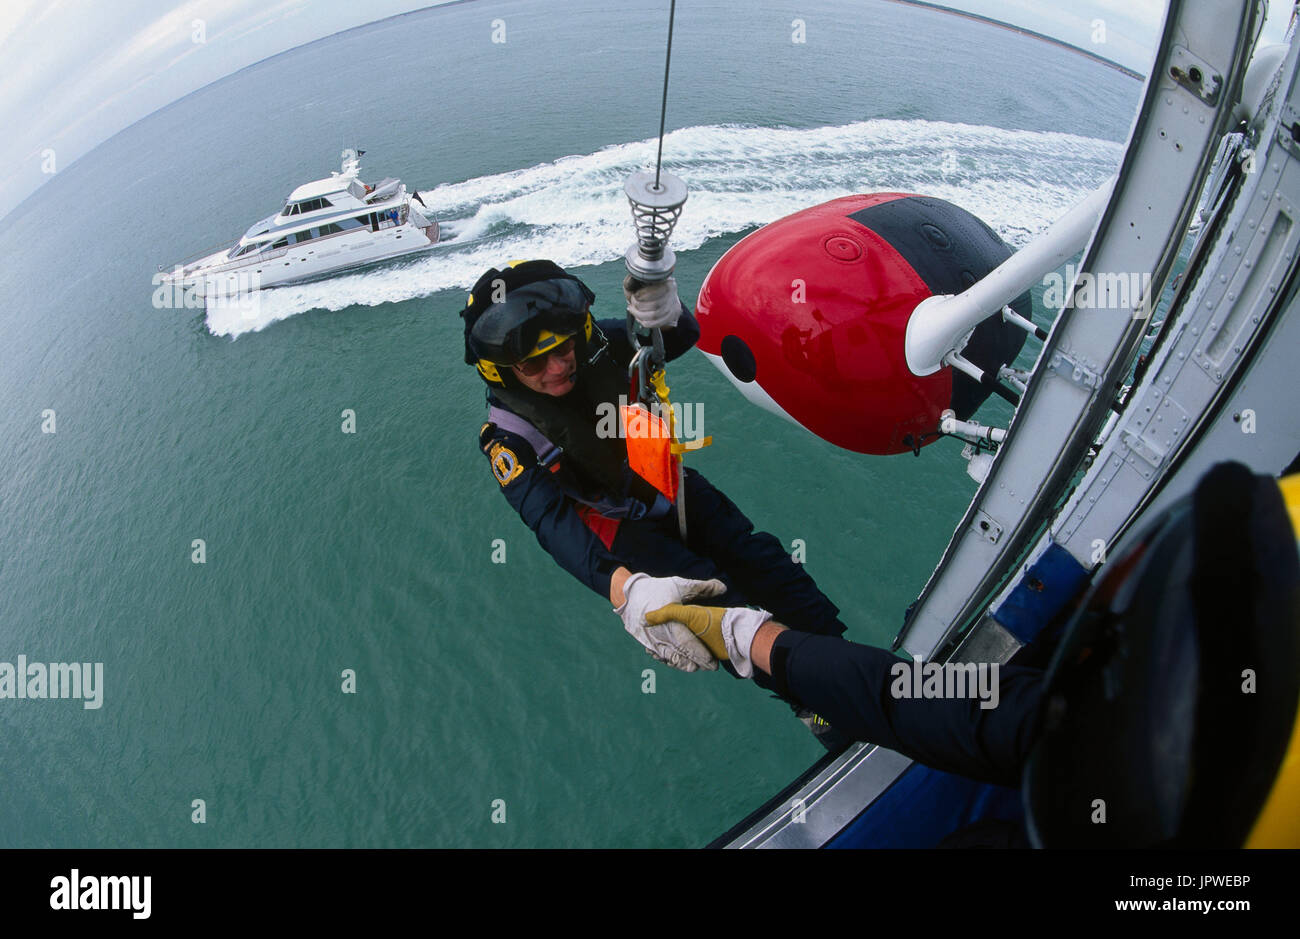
{"type": "Point", "coordinates": [574, 211]}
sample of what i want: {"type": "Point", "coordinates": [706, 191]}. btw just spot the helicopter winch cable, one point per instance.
{"type": "Point", "coordinates": [663, 109]}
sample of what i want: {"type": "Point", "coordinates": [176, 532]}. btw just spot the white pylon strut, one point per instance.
{"type": "Point", "coordinates": [938, 325]}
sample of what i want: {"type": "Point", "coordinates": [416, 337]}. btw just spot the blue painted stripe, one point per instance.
{"type": "Point", "coordinates": [923, 807]}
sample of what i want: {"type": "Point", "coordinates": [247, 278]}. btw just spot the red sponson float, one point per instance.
{"type": "Point", "coordinates": [807, 316]}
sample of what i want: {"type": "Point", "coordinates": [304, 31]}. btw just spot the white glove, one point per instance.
{"type": "Point", "coordinates": [739, 626]}
{"type": "Point", "coordinates": [671, 643]}
{"type": "Point", "coordinates": [653, 305]}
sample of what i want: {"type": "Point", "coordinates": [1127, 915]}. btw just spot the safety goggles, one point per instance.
{"type": "Point", "coordinates": [537, 364]}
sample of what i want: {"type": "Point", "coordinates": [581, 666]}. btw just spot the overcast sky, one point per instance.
{"type": "Point", "coordinates": [78, 71]}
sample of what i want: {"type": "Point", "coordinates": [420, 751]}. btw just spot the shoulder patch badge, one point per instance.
{"type": "Point", "coordinates": [505, 465]}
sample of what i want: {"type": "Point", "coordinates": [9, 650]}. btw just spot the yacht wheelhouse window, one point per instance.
{"type": "Point", "coordinates": [282, 243]}
{"type": "Point", "coordinates": [309, 205]}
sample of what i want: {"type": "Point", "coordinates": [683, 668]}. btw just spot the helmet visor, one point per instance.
{"type": "Point", "coordinates": [511, 331]}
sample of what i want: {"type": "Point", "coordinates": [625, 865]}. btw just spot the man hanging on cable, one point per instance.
{"type": "Point", "coordinates": [554, 374]}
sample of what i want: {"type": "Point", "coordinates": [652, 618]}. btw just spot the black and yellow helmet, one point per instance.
{"type": "Point", "coordinates": [1172, 706]}
{"type": "Point", "coordinates": [522, 310]}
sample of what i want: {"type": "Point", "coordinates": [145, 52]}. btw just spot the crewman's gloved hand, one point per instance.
{"type": "Point", "coordinates": [728, 632]}
{"type": "Point", "coordinates": [668, 641]}
{"type": "Point", "coordinates": [653, 305]}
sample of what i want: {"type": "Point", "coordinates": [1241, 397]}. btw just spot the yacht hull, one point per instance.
{"type": "Point", "coordinates": [311, 261]}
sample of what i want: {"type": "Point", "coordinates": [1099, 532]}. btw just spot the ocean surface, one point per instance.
{"type": "Point", "coordinates": [482, 689]}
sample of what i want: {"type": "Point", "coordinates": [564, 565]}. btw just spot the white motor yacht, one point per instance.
{"type": "Point", "coordinates": [325, 226]}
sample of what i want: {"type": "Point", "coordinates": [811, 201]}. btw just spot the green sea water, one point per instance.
{"type": "Point", "coordinates": [481, 688]}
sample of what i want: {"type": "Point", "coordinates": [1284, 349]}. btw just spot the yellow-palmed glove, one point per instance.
{"type": "Point", "coordinates": [727, 632]}
{"type": "Point", "coordinates": [668, 641]}
{"type": "Point", "coordinates": [704, 621]}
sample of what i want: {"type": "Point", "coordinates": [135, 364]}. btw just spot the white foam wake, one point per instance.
{"type": "Point", "coordinates": [574, 210]}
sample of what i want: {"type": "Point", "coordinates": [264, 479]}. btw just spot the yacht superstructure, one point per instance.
{"type": "Point", "coordinates": [325, 226]}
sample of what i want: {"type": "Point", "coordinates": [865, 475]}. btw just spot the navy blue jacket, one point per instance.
{"type": "Point", "coordinates": [538, 494]}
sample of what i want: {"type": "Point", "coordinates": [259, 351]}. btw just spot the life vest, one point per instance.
{"type": "Point", "coordinates": [614, 474]}
{"type": "Point", "coordinates": [629, 474]}
{"type": "Point", "coordinates": [643, 501]}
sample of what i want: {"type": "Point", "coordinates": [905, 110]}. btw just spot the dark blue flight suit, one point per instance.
{"type": "Point", "coordinates": [849, 685]}
{"type": "Point", "coordinates": [721, 541]}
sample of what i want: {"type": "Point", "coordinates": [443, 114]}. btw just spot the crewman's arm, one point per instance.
{"type": "Point", "coordinates": [680, 338]}
{"type": "Point", "coordinates": [616, 595]}
{"type": "Point", "coordinates": [533, 493]}
{"type": "Point", "coordinates": [677, 339]}
{"type": "Point", "coordinates": [851, 686]}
